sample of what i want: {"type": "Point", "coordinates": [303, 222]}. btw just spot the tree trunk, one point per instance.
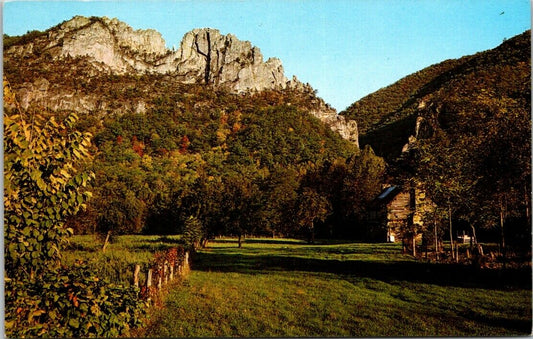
{"type": "Point", "coordinates": [311, 233]}
{"type": "Point", "coordinates": [436, 241]}
{"type": "Point", "coordinates": [106, 242]}
{"type": "Point", "coordinates": [240, 240]}
{"type": "Point", "coordinates": [526, 199]}
{"type": "Point", "coordinates": [502, 234]}
{"type": "Point", "coordinates": [414, 245]}
{"type": "Point", "coordinates": [451, 233]}
{"type": "Point", "coordinates": [473, 238]}
{"type": "Point", "coordinates": [426, 247]}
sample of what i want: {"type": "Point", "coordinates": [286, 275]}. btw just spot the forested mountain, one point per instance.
{"type": "Point", "coordinates": [73, 56]}
{"type": "Point", "coordinates": [183, 141]}
{"type": "Point", "coordinates": [210, 139]}
{"type": "Point", "coordinates": [388, 117]}
{"type": "Point", "coordinates": [461, 131]}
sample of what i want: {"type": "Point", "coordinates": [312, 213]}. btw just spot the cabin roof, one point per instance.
{"type": "Point", "coordinates": [389, 191]}
{"type": "Point", "coordinates": [387, 195]}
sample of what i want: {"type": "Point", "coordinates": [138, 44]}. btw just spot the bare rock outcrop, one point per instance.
{"type": "Point", "coordinates": [109, 43]}
{"type": "Point", "coordinates": [206, 56]}
{"type": "Point", "coordinates": [338, 123]}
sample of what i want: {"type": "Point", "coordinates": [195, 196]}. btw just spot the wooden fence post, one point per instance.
{"type": "Point", "coordinates": [149, 279]}
{"type": "Point", "coordinates": [136, 275]}
{"type": "Point", "coordinates": [159, 280]}
{"type": "Point", "coordinates": [165, 272]}
{"type": "Point", "coordinates": [171, 272]}
{"type": "Point", "coordinates": [480, 249]}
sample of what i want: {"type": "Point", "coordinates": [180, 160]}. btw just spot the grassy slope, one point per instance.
{"type": "Point", "coordinates": [286, 288]}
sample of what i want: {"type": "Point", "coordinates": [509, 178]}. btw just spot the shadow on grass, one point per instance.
{"type": "Point", "coordinates": [265, 241]}
{"type": "Point", "coordinates": [164, 239]}
{"type": "Point", "coordinates": [71, 246]}
{"type": "Point", "coordinates": [411, 271]}
{"type": "Point", "coordinates": [155, 247]}
{"type": "Point", "coordinates": [274, 241]}
{"type": "Point", "coordinates": [280, 241]}
{"type": "Point", "coordinates": [514, 324]}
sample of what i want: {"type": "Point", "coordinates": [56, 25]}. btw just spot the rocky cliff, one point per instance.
{"type": "Point", "coordinates": [204, 56]}
{"type": "Point", "coordinates": [109, 46]}
{"type": "Point", "coordinates": [207, 56]}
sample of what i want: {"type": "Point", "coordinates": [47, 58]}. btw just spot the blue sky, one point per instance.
{"type": "Point", "coordinates": [345, 49]}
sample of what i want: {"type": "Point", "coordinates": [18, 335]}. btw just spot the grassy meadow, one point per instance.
{"type": "Point", "coordinates": [283, 287]}
{"type": "Point", "coordinates": [121, 255]}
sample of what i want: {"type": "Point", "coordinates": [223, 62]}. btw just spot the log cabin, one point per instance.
{"type": "Point", "coordinates": [396, 211]}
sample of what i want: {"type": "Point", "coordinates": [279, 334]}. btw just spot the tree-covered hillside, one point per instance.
{"type": "Point", "coordinates": [470, 149]}
{"type": "Point", "coordinates": [197, 159]}
{"type": "Point", "coordinates": [387, 117]}
{"type": "Point", "coordinates": [387, 104]}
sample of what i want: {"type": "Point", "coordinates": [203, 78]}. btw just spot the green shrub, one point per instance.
{"type": "Point", "coordinates": [42, 187]}
{"type": "Point", "coordinates": [192, 233]}
{"type": "Point", "coordinates": [71, 302]}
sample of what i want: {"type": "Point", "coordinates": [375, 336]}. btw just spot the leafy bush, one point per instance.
{"type": "Point", "coordinates": [192, 233]}
{"type": "Point", "coordinates": [43, 186]}
{"type": "Point", "coordinates": [70, 302]}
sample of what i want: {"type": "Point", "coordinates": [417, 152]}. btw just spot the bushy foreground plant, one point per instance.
{"type": "Point", "coordinates": [42, 186]}
{"type": "Point", "coordinates": [70, 302]}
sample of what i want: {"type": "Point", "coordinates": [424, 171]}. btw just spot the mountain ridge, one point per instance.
{"type": "Point", "coordinates": [392, 112]}
{"type": "Point", "coordinates": [103, 45]}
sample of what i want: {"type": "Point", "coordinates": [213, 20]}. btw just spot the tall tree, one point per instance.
{"type": "Point", "coordinates": [310, 208]}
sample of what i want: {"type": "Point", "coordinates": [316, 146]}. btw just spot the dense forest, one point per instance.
{"type": "Point", "coordinates": [202, 157]}
{"type": "Point", "coordinates": [237, 164]}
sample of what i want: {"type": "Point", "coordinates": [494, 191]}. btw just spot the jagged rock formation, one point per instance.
{"type": "Point", "coordinates": [205, 56]}
{"type": "Point", "coordinates": [338, 123]}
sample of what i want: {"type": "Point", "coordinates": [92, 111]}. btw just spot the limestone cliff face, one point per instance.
{"type": "Point", "coordinates": [338, 123]}
{"type": "Point", "coordinates": [205, 56]}
{"type": "Point", "coordinates": [110, 44]}
{"type": "Point", "coordinates": [209, 57]}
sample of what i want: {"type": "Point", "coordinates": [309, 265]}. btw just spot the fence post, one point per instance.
{"type": "Point", "coordinates": [165, 272]}
{"type": "Point", "coordinates": [136, 275]}
{"type": "Point", "coordinates": [171, 272]}
{"type": "Point", "coordinates": [149, 278]}
{"type": "Point", "coordinates": [159, 280]}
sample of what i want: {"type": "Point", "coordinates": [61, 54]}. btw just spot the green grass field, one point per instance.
{"type": "Point", "coordinates": [289, 288]}
{"type": "Point", "coordinates": [120, 257]}
{"type": "Point", "coordinates": [278, 287]}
